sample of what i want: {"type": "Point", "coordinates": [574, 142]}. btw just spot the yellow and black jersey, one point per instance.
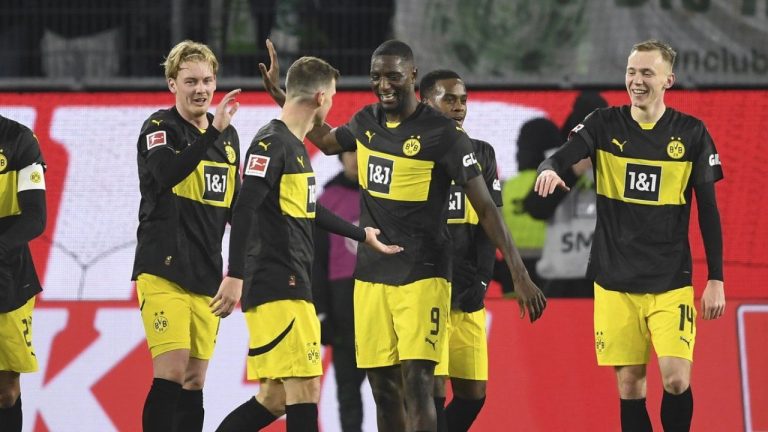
{"type": "Point", "coordinates": [21, 170]}
{"type": "Point", "coordinates": [644, 177]}
{"type": "Point", "coordinates": [279, 196]}
{"type": "Point", "coordinates": [405, 172]}
{"type": "Point", "coordinates": [474, 254]}
{"type": "Point", "coordinates": [188, 180]}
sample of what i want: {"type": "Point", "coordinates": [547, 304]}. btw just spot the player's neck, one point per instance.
{"type": "Point", "coordinates": [648, 114]}
{"type": "Point", "coordinates": [408, 108]}
{"type": "Point", "coordinates": [198, 121]}
{"type": "Point", "coordinates": [298, 118]}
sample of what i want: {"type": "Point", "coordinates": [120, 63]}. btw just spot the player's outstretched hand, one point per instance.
{"type": "Point", "coordinates": [271, 76]}
{"type": "Point", "coordinates": [530, 298]}
{"type": "Point", "coordinates": [226, 299]}
{"type": "Point", "coordinates": [372, 240]}
{"type": "Point", "coordinates": [713, 300]}
{"type": "Point", "coordinates": [226, 109]}
{"type": "Point", "coordinates": [547, 181]}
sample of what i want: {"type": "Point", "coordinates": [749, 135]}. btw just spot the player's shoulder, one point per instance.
{"type": "Point", "coordinates": [271, 138]}
{"type": "Point", "coordinates": [682, 120]}
{"type": "Point", "coordinates": [11, 130]}
{"type": "Point", "coordinates": [163, 119]}
{"type": "Point", "coordinates": [481, 146]}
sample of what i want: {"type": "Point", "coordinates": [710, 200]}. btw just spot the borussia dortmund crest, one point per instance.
{"type": "Point", "coordinates": [231, 156]}
{"type": "Point", "coordinates": [599, 341]}
{"type": "Point", "coordinates": [675, 148]}
{"type": "Point", "coordinates": [313, 353]}
{"type": "Point", "coordinates": [161, 322]}
{"type": "Point", "coordinates": [411, 146]}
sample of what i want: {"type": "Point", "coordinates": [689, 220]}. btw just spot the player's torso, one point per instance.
{"type": "Point", "coordinates": [404, 191]}
{"type": "Point", "coordinates": [643, 179]}
{"type": "Point", "coordinates": [18, 279]}
{"type": "Point", "coordinates": [463, 225]}
{"type": "Point", "coordinates": [281, 245]}
{"type": "Point", "coordinates": [181, 227]}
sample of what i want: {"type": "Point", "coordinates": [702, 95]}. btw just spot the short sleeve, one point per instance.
{"type": "Point", "coordinates": [346, 138]}
{"type": "Point", "coordinates": [459, 161]}
{"type": "Point", "coordinates": [28, 150]}
{"type": "Point", "coordinates": [155, 135]}
{"type": "Point", "coordinates": [707, 167]}
{"type": "Point", "coordinates": [264, 162]}
{"type": "Point", "coordinates": [490, 174]}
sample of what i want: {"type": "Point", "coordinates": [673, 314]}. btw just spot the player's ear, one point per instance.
{"type": "Point", "coordinates": [320, 98]}
{"type": "Point", "coordinates": [670, 80]}
{"type": "Point", "coordinates": [172, 85]}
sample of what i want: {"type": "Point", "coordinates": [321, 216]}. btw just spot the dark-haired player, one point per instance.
{"type": "Point", "coordinates": [465, 358]}
{"type": "Point", "coordinates": [408, 154]}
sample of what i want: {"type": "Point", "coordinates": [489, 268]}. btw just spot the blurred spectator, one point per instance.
{"type": "Point", "coordinates": [571, 218]}
{"type": "Point", "coordinates": [333, 288]}
{"type": "Point", "coordinates": [536, 137]}
{"type": "Point", "coordinates": [82, 38]}
{"type": "Point", "coordinates": [344, 32]}
{"type": "Point", "coordinates": [20, 35]}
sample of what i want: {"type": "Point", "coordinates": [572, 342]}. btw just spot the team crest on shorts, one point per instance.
{"type": "Point", "coordinates": [411, 146]}
{"type": "Point", "coordinates": [599, 341]}
{"type": "Point", "coordinates": [313, 353]}
{"type": "Point", "coordinates": [675, 148]}
{"type": "Point", "coordinates": [161, 322]}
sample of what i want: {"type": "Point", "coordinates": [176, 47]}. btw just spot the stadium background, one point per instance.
{"type": "Point", "coordinates": [95, 368]}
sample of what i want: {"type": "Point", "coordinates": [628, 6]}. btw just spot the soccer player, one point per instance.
{"type": "Point", "coordinates": [271, 247]}
{"type": "Point", "coordinates": [188, 164]}
{"type": "Point", "coordinates": [465, 356]}
{"type": "Point", "coordinates": [648, 159]}
{"type": "Point", "coordinates": [22, 218]}
{"type": "Point", "coordinates": [408, 153]}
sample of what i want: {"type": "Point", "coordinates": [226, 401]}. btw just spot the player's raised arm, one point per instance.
{"type": "Point", "coordinates": [271, 76]}
{"type": "Point", "coordinates": [323, 136]}
{"type": "Point", "coordinates": [529, 296]}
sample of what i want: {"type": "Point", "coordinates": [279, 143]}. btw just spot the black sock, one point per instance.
{"type": "Point", "coordinates": [10, 418]}
{"type": "Point", "coordinates": [160, 405]}
{"type": "Point", "coordinates": [677, 411]}
{"type": "Point", "coordinates": [461, 413]}
{"type": "Point", "coordinates": [440, 413]}
{"type": "Point", "coordinates": [301, 417]}
{"type": "Point", "coordinates": [249, 416]}
{"type": "Point", "coordinates": [189, 411]}
{"type": "Point", "coordinates": [634, 416]}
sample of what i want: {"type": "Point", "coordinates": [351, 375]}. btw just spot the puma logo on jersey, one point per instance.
{"type": "Point", "coordinates": [620, 145]}
{"type": "Point", "coordinates": [157, 122]}
{"type": "Point", "coordinates": [431, 342]}
{"type": "Point", "coordinates": [370, 135]}
{"type": "Point", "coordinates": [264, 145]}
{"type": "Point", "coordinates": [687, 342]}
{"type": "Point", "coordinates": [300, 160]}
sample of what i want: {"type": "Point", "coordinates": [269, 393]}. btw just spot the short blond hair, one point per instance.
{"type": "Point", "coordinates": [308, 75]}
{"type": "Point", "coordinates": [188, 51]}
{"type": "Point", "coordinates": [666, 51]}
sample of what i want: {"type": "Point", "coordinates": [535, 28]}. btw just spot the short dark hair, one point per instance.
{"type": "Point", "coordinates": [309, 74]}
{"type": "Point", "coordinates": [666, 51]}
{"type": "Point", "coordinates": [429, 81]}
{"type": "Point", "coordinates": [394, 47]}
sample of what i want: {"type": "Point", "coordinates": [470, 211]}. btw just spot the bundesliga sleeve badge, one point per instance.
{"type": "Point", "coordinates": [257, 165]}
{"type": "Point", "coordinates": [156, 139]}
